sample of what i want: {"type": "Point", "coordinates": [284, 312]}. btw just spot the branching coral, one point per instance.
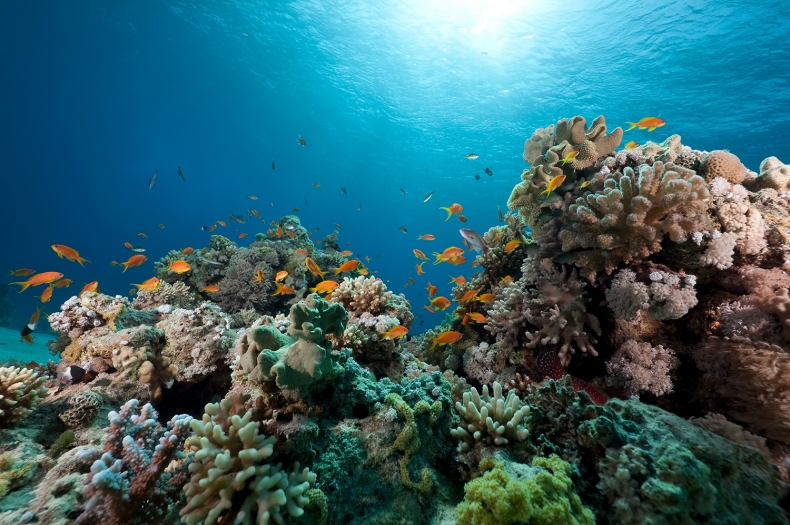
{"type": "Point", "coordinates": [640, 367]}
{"type": "Point", "coordinates": [132, 482]}
{"type": "Point", "coordinates": [177, 295]}
{"type": "Point", "coordinates": [230, 477]}
{"type": "Point", "coordinates": [754, 378]}
{"type": "Point", "coordinates": [490, 419]}
{"type": "Point", "coordinates": [237, 289]}
{"type": "Point", "coordinates": [545, 307]}
{"type": "Point", "coordinates": [544, 497]}
{"type": "Point", "coordinates": [736, 215]}
{"type": "Point", "coordinates": [665, 294]}
{"type": "Point", "coordinates": [626, 215]}
{"type": "Point", "coordinates": [21, 389]}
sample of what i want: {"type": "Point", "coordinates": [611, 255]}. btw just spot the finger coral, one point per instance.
{"type": "Point", "coordinates": [21, 389]}
{"type": "Point", "coordinates": [230, 477]}
{"type": "Point", "coordinates": [490, 419]}
{"type": "Point", "coordinates": [131, 483]}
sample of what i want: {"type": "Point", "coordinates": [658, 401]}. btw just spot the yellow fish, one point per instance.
{"type": "Point", "coordinates": [554, 183]}
{"type": "Point", "coordinates": [570, 156]}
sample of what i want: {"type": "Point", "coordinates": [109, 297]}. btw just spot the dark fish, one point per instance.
{"type": "Point", "coordinates": [296, 210]}
{"type": "Point", "coordinates": [204, 228]}
{"type": "Point", "coordinates": [403, 191]}
{"type": "Point", "coordinates": [338, 226]}
{"type": "Point", "coordinates": [302, 141]}
{"type": "Point", "coordinates": [344, 190]}
{"type": "Point", "coordinates": [488, 172]}
{"type": "Point", "coordinates": [403, 229]}
{"type": "Point", "coordinates": [532, 249]}
{"type": "Point", "coordinates": [499, 210]}
{"type": "Point", "coordinates": [422, 322]}
{"type": "Point", "coordinates": [272, 164]}
{"type": "Point", "coordinates": [411, 281]}
{"type": "Point", "coordinates": [477, 176]}
{"type": "Point", "coordinates": [181, 174]}
{"type": "Point", "coordinates": [151, 184]}
{"type": "Point", "coordinates": [76, 373]}
{"type": "Point", "coordinates": [426, 199]}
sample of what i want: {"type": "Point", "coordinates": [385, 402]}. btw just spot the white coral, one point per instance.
{"type": "Point", "coordinates": [640, 367]}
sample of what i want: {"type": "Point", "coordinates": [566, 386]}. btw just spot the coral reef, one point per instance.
{"type": "Point", "coordinates": [21, 389]}
{"type": "Point", "coordinates": [774, 174]}
{"type": "Point", "coordinates": [640, 367]}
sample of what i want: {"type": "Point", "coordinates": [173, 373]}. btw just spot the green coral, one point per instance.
{"type": "Point", "coordinates": [544, 497]}
{"type": "Point", "coordinates": [300, 357]}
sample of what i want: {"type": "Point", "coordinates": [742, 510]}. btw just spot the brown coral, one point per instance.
{"type": "Point", "coordinates": [754, 379]}
{"type": "Point", "coordinates": [626, 215]}
{"type": "Point", "coordinates": [774, 174]}
{"type": "Point", "coordinates": [722, 163]}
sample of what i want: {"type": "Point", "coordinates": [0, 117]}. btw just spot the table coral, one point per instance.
{"type": "Point", "coordinates": [131, 482]}
{"type": "Point", "coordinates": [626, 215]}
{"type": "Point", "coordinates": [542, 494]}
{"type": "Point", "coordinates": [230, 477]}
{"type": "Point", "coordinates": [21, 389]}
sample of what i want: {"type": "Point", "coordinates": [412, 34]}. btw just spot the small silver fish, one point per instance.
{"type": "Point", "coordinates": [151, 184]}
{"type": "Point", "coordinates": [426, 199]}
{"type": "Point", "coordinates": [403, 191]}
{"type": "Point", "coordinates": [471, 156]}
{"type": "Point", "coordinates": [214, 263]}
{"type": "Point", "coordinates": [403, 229]}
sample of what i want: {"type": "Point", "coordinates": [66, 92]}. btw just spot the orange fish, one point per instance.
{"type": "Point", "coordinates": [134, 260]}
{"type": "Point", "coordinates": [396, 332]}
{"type": "Point", "coordinates": [313, 268]}
{"type": "Point", "coordinates": [39, 279]}
{"type": "Point", "coordinates": [258, 276]}
{"type": "Point", "coordinates": [418, 253]}
{"type": "Point", "coordinates": [325, 287]}
{"type": "Point", "coordinates": [280, 276]}
{"type": "Point", "coordinates": [28, 338]}
{"type": "Point", "coordinates": [455, 208]}
{"type": "Point", "coordinates": [485, 298]}
{"type": "Point", "coordinates": [35, 316]}
{"type": "Point", "coordinates": [440, 303]}
{"type": "Point", "coordinates": [476, 262]}
{"type": "Point", "coordinates": [63, 283]}
{"type": "Point", "coordinates": [461, 218]}
{"type": "Point", "coordinates": [255, 212]}
{"type": "Point", "coordinates": [362, 270]}
{"type": "Point", "coordinates": [69, 253]}
{"type": "Point", "coordinates": [180, 266]}
{"type": "Point", "coordinates": [431, 289]}
{"type": "Point", "coordinates": [570, 156]}
{"type": "Point", "coordinates": [554, 183]}
{"type": "Point", "coordinates": [210, 288]}
{"type": "Point", "coordinates": [300, 252]}
{"type": "Point", "coordinates": [460, 280]}
{"type": "Point", "coordinates": [212, 227]}
{"type": "Point", "coordinates": [447, 338]}
{"type": "Point", "coordinates": [150, 284]}
{"type": "Point", "coordinates": [187, 250]}
{"type": "Point", "coordinates": [279, 231]}
{"type": "Point", "coordinates": [92, 286]}
{"type": "Point", "coordinates": [648, 123]}
{"type": "Point", "coordinates": [450, 253]}
{"type": "Point", "coordinates": [242, 235]}
{"type": "Point", "coordinates": [348, 266]}
{"type": "Point", "coordinates": [290, 234]}
{"type": "Point", "coordinates": [428, 307]}
{"type": "Point", "coordinates": [223, 223]}
{"type": "Point", "coordinates": [128, 245]}
{"type": "Point", "coordinates": [22, 272]}
{"type": "Point", "coordinates": [512, 245]}
{"type": "Point", "coordinates": [419, 268]}
{"type": "Point", "coordinates": [468, 296]}
{"type": "Point", "coordinates": [46, 295]}
{"type": "Point", "coordinates": [426, 237]}
{"type": "Point", "coordinates": [473, 317]}
{"type": "Point", "coordinates": [632, 145]}
{"type": "Point", "coordinates": [507, 279]}
{"type": "Point", "coordinates": [346, 253]}
{"type": "Point", "coordinates": [283, 289]}
{"type": "Point", "coordinates": [367, 259]}
{"type": "Point", "coordinates": [455, 261]}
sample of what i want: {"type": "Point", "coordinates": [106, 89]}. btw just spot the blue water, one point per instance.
{"type": "Point", "coordinates": [95, 97]}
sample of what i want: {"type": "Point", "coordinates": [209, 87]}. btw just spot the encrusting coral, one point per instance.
{"type": "Point", "coordinates": [131, 482]}
{"type": "Point", "coordinates": [21, 389]}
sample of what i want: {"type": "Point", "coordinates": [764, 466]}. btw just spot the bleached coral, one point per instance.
{"type": "Point", "coordinates": [230, 476]}
{"type": "Point", "coordinates": [177, 295]}
{"type": "Point", "coordinates": [490, 419]}
{"type": "Point", "coordinates": [736, 215]}
{"type": "Point", "coordinates": [754, 379]}
{"type": "Point", "coordinates": [640, 367]}
{"type": "Point", "coordinates": [626, 215]}
{"type": "Point", "coordinates": [664, 294]}
{"type": "Point", "coordinates": [720, 250]}
{"type": "Point", "coordinates": [479, 363]}
{"type": "Point", "coordinates": [21, 390]}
